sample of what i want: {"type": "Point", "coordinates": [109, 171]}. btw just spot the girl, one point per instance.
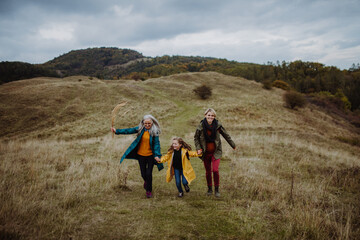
{"type": "Point", "coordinates": [145, 148]}
{"type": "Point", "coordinates": [207, 141]}
{"type": "Point", "coordinates": [180, 166]}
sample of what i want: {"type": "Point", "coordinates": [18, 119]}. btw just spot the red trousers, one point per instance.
{"type": "Point", "coordinates": [212, 167]}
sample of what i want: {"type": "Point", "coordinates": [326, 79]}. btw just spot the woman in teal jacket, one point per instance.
{"type": "Point", "coordinates": [145, 148]}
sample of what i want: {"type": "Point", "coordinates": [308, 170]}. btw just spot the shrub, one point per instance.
{"type": "Point", "coordinates": [203, 91]}
{"type": "Point", "coordinates": [339, 99]}
{"type": "Point", "coordinates": [267, 84]}
{"type": "Point", "coordinates": [345, 101]}
{"type": "Point", "coordinates": [281, 84]}
{"type": "Point", "coordinates": [294, 100]}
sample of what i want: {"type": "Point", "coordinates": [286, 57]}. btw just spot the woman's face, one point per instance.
{"type": "Point", "coordinates": [210, 117]}
{"type": "Point", "coordinates": [148, 124]}
{"type": "Point", "coordinates": [176, 145]}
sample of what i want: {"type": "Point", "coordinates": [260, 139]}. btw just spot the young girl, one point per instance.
{"type": "Point", "coordinates": [180, 166]}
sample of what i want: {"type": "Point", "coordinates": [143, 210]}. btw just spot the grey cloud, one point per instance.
{"type": "Point", "coordinates": [322, 23]}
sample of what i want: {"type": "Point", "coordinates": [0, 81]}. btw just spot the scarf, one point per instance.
{"type": "Point", "coordinates": [212, 128]}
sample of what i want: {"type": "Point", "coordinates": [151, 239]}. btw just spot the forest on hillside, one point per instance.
{"type": "Point", "coordinates": [115, 63]}
{"type": "Point", "coordinates": [304, 77]}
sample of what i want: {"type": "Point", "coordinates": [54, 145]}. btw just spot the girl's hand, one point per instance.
{"type": "Point", "coordinates": [113, 129]}
{"type": "Point", "coordinates": [199, 152]}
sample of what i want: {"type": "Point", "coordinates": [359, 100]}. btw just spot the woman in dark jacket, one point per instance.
{"type": "Point", "coordinates": [207, 141]}
{"type": "Point", "coordinates": [145, 148]}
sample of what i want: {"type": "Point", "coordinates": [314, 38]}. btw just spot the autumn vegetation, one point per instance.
{"type": "Point", "coordinates": [115, 63]}
{"type": "Point", "coordinates": [295, 174]}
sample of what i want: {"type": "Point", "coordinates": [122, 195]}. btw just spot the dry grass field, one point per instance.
{"type": "Point", "coordinates": [60, 178]}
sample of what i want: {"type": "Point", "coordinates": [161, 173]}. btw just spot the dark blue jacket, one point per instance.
{"type": "Point", "coordinates": [131, 152]}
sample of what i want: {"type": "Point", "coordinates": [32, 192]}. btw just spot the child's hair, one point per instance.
{"type": "Point", "coordinates": [181, 142]}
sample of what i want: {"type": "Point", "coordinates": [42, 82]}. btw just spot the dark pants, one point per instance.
{"type": "Point", "coordinates": [146, 164]}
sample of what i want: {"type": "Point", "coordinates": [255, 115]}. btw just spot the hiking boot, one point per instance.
{"type": "Point", "coordinates": [187, 188]}
{"type": "Point", "coordinates": [209, 192]}
{"type": "Point", "coordinates": [181, 194]}
{"type": "Point", "coordinates": [148, 195]}
{"type": "Point", "coordinates": [217, 193]}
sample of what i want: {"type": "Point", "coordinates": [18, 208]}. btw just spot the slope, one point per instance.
{"type": "Point", "coordinates": [290, 176]}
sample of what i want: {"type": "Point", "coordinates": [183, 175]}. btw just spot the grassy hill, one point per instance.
{"type": "Point", "coordinates": [292, 175]}
{"type": "Point", "coordinates": [92, 61]}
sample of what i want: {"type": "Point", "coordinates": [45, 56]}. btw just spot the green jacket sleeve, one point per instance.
{"type": "Point", "coordinates": [227, 137]}
{"type": "Point", "coordinates": [156, 149]}
{"type": "Point", "coordinates": [197, 139]}
{"type": "Point", "coordinates": [127, 130]}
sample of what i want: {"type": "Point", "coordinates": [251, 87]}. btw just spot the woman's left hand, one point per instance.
{"type": "Point", "coordinates": [157, 159]}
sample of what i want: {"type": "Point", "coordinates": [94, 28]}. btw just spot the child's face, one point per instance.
{"type": "Point", "coordinates": [176, 145]}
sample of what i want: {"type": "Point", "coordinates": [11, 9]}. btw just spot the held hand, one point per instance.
{"type": "Point", "coordinates": [199, 152]}
{"type": "Point", "coordinates": [157, 159]}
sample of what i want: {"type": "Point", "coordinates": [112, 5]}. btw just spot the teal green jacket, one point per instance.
{"type": "Point", "coordinates": [131, 151]}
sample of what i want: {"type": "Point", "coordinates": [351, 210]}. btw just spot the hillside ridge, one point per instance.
{"type": "Point", "coordinates": [292, 175]}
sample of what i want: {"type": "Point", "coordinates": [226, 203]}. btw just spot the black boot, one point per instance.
{"type": "Point", "coordinates": [209, 192]}
{"type": "Point", "coordinates": [217, 193]}
{"type": "Point", "coordinates": [187, 188]}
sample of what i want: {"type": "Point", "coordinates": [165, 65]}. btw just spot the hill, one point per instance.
{"type": "Point", "coordinates": [92, 61]}
{"type": "Point", "coordinates": [291, 177]}
{"type": "Point", "coordinates": [115, 63]}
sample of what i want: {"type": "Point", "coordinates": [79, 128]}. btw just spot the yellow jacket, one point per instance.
{"type": "Point", "coordinates": [188, 170]}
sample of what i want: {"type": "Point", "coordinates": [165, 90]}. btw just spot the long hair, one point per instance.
{"type": "Point", "coordinates": [181, 142]}
{"type": "Point", "coordinates": [155, 128]}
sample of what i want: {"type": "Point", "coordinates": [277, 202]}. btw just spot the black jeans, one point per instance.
{"type": "Point", "coordinates": [146, 164]}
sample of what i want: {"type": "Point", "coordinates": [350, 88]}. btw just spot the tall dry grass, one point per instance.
{"type": "Point", "coordinates": [60, 178]}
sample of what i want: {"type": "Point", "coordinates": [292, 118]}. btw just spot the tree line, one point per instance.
{"type": "Point", "coordinates": [115, 63]}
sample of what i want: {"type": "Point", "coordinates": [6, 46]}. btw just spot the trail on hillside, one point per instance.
{"type": "Point", "coordinates": [179, 123]}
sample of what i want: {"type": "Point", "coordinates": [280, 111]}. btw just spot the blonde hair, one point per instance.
{"type": "Point", "coordinates": [210, 110]}
{"type": "Point", "coordinates": [155, 128]}
{"type": "Point", "coordinates": [181, 142]}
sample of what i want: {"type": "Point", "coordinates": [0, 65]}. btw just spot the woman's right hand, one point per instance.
{"type": "Point", "coordinates": [113, 129]}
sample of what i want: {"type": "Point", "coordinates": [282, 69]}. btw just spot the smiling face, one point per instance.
{"type": "Point", "coordinates": [176, 145]}
{"type": "Point", "coordinates": [210, 116]}
{"type": "Point", "coordinates": [148, 123]}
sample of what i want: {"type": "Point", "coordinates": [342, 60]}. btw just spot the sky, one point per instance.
{"type": "Point", "coordinates": [261, 31]}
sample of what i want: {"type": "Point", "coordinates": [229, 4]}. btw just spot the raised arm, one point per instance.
{"type": "Point", "coordinates": [125, 130]}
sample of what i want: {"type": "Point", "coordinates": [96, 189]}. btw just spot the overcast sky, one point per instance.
{"type": "Point", "coordinates": [325, 31]}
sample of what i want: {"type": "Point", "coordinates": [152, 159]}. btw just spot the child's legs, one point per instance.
{"type": "Point", "coordinates": [178, 174]}
{"type": "Point", "coordinates": [215, 165]}
{"type": "Point", "coordinates": [207, 165]}
{"type": "Point", "coordinates": [184, 181]}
